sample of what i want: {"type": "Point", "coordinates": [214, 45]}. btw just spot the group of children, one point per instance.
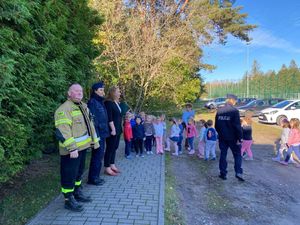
{"type": "Point", "coordinates": [289, 150]}
{"type": "Point", "coordinates": [145, 131]}
{"type": "Point", "coordinates": [142, 132]}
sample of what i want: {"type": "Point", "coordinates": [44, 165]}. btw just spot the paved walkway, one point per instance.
{"type": "Point", "coordinates": [136, 196]}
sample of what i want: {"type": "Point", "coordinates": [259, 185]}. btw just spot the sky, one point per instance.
{"type": "Point", "coordinates": [276, 41]}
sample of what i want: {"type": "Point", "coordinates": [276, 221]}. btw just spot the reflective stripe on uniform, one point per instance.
{"type": "Point", "coordinates": [76, 113]}
{"type": "Point", "coordinates": [83, 140]}
{"type": "Point", "coordinates": [69, 141]}
{"type": "Point", "coordinates": [66, 190]}
{"type": "Point", "coordinates": [63, 121]}
{"type": "Point", "coordinates": [78, 183]}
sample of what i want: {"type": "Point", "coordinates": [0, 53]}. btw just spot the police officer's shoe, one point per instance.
{"type": "Point", "coordinates": [223, 176]}
{"type": "Point", "coordinates": [72, 204]}
{"type": "Point", "coordinates": [239, 176]}
{"type": "Point", "coordinates": [97, 182]}
{"type": "Point", "coordinates": [80, 197]}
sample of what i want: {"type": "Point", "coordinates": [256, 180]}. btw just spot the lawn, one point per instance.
{"type": "Point", "coordinates": [31, 190]}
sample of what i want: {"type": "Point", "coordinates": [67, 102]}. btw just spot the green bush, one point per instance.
{"type": "Point", "coordinates": [45, 46]}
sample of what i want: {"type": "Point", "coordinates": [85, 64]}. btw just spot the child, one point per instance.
{"type": "Point", "coordinates": [191, 133]}
{"type": "Point", "coordinates": [159, 133]}
{"type": "Point", "coordinates": [211, 137]}
{"type": "Point", "coordinates": [283, 140]}
{"type": "Point", "coordinates": [163, 118]}
{"type": "Point", "coordinates": [247, 137]}
{"type": "Point", "coordinates": [138, 137]}
{"type": "Point", "coordinates": [174, 137]}
{"type": "Point", "coordinates": [201, 146]}
{"type": "Point", "coordinates": [127, 135]}
{"type": "Point", "coordinates": [149, 132]}
{"type": "Point", "coordinates": [132, 123]}
{"type": "Point", "coordinates": [293, 142]}
{"type": "Point", "coordinates": [181, 127]}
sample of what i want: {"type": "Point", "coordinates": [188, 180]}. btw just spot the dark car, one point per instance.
{"type": "Point", "coordinates": [244, 101]}
{"type": "Point", "coordinates": [256, 106]}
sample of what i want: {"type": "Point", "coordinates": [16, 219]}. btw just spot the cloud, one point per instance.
{"type": "Point", "coordinates": [297, 22]}
{"type": "Point", "coordinates": [264, 38]}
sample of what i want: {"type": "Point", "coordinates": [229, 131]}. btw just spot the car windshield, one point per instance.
{"type": "Point", "coordinates": [219, 99]}
{"type": "Point", "coordinates": [281, 104]}
{"type": "Point", "coordinates": [251, 103]}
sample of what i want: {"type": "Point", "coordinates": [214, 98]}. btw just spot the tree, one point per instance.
{"type": "Point", "coordinates": [154, 48]}
{"type": "Point", "coordinates": [44, 47]}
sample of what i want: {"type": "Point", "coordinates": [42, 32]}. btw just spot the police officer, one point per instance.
{"type": "Point", "coordinates": [229, 128]}
{"type": "Point", "coordinates": [76, 133]}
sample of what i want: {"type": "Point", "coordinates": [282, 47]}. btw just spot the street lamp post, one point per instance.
{"type": "Point", "coordinates": [247, 73]}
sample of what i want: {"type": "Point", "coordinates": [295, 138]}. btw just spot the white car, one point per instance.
{"type": "Point", "coordinates": [286, 109]}
{"type": "Point", "coordinates": [215, 103]}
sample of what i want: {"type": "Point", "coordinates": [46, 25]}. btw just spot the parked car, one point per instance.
{"type": "Point", "coordinates": [244, 101]}
{"type": "Point", "coordinates": [286, 109]}
{"type": "Point", "coordinates": [215, 103]}
{"type": "Point", "coordinates": [256, 106]}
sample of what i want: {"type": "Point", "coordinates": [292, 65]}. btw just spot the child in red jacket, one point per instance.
{"type": "Point", "coordinates": [128, 135]}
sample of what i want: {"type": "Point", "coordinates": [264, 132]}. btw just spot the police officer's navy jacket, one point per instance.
{"type": "Point", "coordinates": [100, 118]}
{"type": "Point", "coordinates": [228, 124]}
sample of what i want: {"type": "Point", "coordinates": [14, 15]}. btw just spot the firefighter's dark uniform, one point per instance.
{"type": "Point", "coordinates": [228, 126]}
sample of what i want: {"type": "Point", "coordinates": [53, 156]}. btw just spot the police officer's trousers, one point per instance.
{"type": "Point", "coordinates": [96, 161]}
{"type": "Point", "coordinates": [71, 171]}
{"type": "Point", "coordinates": [236, 151]}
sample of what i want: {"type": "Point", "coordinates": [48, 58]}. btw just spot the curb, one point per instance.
{"type": "Point", "coordinates": [161, 216]}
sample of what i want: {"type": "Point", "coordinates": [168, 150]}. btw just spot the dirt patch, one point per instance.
{"type": "Point", "coordinates": [270, 194]}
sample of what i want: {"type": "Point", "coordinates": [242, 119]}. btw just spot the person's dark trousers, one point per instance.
{"type": "Point", "coordinates": [132, 146]}
{"type": "Point", "coordinates": [179, 144]}
{"type": "Point", "coordinates": [96, 161]}
{"type": "Point", "coordinates": [191, 142]}
{"type": "Point", "coordinates": [112, 144]}
{"type": "Point", "coordinates": [139, 145]}
{"type": "Point", "coordinates": [153, 141]}
{"type": "Point", "coordinates": [148, 143]}
{"type": "Point", "coordinates": [236, 151]}
{"type": "Point", "coordinates": [186, 144]}
{"type": "Point", "coordinates": [71, 170]}
{"type": "Point", "coordinates": [127, 147]}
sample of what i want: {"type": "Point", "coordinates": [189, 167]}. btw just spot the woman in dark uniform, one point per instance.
{"type": "Point", "coordinates": [114, 114]}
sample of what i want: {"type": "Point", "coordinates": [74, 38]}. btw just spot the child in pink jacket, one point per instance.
{"type": "Point", "coordinates": [191, 133]}
{"type": "Point", "coordinates": [293, 142]}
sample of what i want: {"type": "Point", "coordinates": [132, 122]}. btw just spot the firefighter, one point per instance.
{"type": "Point", "coordinates": [228, 126]}
{"type": "Point", "coordinates": [76, 133]}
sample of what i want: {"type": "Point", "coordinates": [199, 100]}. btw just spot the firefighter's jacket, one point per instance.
{"type": "Point", "coordinates": [74, 128]}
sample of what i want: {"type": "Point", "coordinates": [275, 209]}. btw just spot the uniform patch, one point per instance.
{"type": "Point", "coordinates": [61, 113]}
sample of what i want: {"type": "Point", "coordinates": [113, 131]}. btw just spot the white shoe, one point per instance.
{"type": "Point", "coordinates": [175, 154]}
{"type": "Point", "coordinates": [192, 152]}
{"type": "Point", "coordinates": [167, 149]}
{"type": "Point", "coordinates": [151, 153]}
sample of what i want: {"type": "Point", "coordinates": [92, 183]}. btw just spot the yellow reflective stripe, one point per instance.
{"type": "Point", "coordinates": [69, 141]}
{"type": "Point", "coordinates": [76, 113]}
{"type": "Point", "coordinates": [63, 121]}
{"type": "Point", "coordinates": [77, 183]}
{"type": "Point", "coordinates": [66, 190]}
{"type": "Point", "coordinates": [82, 143]}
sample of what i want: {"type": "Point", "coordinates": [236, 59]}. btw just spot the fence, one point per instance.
{"type": "Point", "coordinates": [261, 88]}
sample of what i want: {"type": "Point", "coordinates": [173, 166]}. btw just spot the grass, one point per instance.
{"type": "Point", "coordinates": [173, 216]}
{"type": "Point", "coordinates": [29, 192]}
